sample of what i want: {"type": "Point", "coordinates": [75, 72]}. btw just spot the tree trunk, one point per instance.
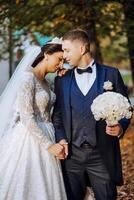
{"type": "Point", "coordinates": [129, 23]}
{"type": "Point", "coordinates": [91, 28]}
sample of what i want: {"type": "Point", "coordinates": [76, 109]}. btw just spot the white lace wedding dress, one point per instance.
{"type": "Point", "coordinates": [27, 170]}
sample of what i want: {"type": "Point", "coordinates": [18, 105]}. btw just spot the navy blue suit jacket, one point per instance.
{"type": "Point", "coordinates": [108, 145]}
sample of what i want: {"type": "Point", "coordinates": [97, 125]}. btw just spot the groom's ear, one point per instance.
{"type": "Point", "coordinates": [83, 49]}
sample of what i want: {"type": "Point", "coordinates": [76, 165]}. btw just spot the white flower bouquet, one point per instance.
{"type": "Point", "coordinates": [112, 107]}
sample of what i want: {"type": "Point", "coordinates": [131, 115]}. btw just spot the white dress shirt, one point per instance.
{"type": "Point", "coordinates": [86, 80]}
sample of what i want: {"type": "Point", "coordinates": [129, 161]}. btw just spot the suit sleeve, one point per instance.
{"type": "Point", "coordinates": [57, 113]}
{"type": "Point", "coordinates": [121, 88]}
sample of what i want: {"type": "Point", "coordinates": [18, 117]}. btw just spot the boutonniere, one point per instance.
{"type": "Point", "coordinates": [108, 85]}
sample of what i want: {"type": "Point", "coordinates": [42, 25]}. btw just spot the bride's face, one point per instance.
{"type": "Point", "coordinates": [54, 62]}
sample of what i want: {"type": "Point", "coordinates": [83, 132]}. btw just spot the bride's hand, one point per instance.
{"type": "Point", "coordinates": [62, 72]}
{"type": "Point", "coordinates": [57, 150]}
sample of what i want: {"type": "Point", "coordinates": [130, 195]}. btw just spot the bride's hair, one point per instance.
{"type": "Point", "coordinates": [48, 49]}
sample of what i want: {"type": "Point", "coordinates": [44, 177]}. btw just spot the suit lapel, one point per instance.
{"type": "Point", "coordinates": [100, 75]}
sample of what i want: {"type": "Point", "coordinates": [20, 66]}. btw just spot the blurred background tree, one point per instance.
{"type": "Point", "coordinates": [110, 25]}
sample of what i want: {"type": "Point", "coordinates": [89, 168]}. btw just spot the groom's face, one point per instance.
{"type": "Point", "coordinates": [72, 51]}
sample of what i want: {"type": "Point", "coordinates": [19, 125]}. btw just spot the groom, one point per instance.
{"type": "Point", "coordinates": [92, 152]}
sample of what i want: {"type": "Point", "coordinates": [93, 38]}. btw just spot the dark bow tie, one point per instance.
{"type": "Point", "coordinates": [81, 71]}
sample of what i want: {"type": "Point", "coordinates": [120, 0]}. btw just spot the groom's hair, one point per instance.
{"type": "Point", "coordinates": [78, 34]}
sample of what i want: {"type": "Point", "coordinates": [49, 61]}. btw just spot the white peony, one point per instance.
{"type": "Point", "coordinates": [112, 107]}
{"type": "Point", "coordinates": [108, 85]}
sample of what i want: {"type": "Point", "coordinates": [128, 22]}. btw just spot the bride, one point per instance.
{"type": "Point", "coordinates": [29, 167]}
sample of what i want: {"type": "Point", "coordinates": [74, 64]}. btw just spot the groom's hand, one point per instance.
{"type": "Point", "coordinates": [64, 143]}
{"type": "Point", "coordinates": [115, 130]}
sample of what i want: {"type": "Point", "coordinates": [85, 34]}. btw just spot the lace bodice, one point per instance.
{"type": "Point", "coordinates": [33, 105]}
{"type": "Point", "coordinates": [42, 97]}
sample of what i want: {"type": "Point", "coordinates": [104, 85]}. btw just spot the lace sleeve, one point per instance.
{"type": "Point", "coordinates": [25, 103]}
